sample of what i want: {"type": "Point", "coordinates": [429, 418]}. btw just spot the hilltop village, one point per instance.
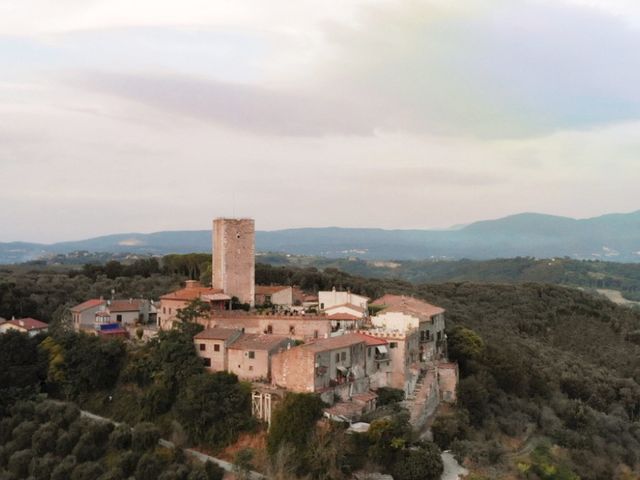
{"type": "Point", "coordinates": [337, 344]}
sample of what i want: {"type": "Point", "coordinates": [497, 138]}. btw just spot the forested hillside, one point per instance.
{"type": "Point", "coordinates": [595, 274]}
{"type": "Point", "coordinates": [550, 374]}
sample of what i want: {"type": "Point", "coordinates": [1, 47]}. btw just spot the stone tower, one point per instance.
{"type": "Point", "coordinates": [234, 249]}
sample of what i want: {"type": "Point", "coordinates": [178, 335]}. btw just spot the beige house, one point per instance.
{"type": "Point", "coordinates": [211, 345]}
{"type": "Point", "coordinates": [249, 356]}
{"type": "Point", "coordinates": [400, 313]}
{"type": "Point", "coordinates": [30, 326]}
{"type": "Point", "coordinates": [276, 295]}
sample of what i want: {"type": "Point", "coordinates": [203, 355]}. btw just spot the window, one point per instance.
{"type": "Point", "coordinates": [393, 345]}
{"type": "Point", "coordinates": [292, 329]}
{"type": "Point", "coordinates": [164, 309]}
{"type": "Point", "coordinates": [337, 357]}
{"type": "Point", "coordinates": [315, 334]}
{"type": "Point", "coordinates": [269, 329]}
{"type": "Point", "coordinates": [369, 352]}
{"type": "Point", "coordinates": [216, 347]}
{"type": "Point", "coordinates": [203, 347]}
{"type": "Point", "coordinates": [343, 356]}
{"type": "Point", "coordinates": [207, 362]}
{"type": "Point", "coordinates": [252, 354]}
{"type": "Point", "coordinates": [439, 335]}
{"type": "Point", "coordinates": [322, 306]}
{"type": "Point", "coordinates": [169, 310]}
{"type": "Point", "coordinates": [118, 318]}
{"type": "Point", "coordinates": [250, 368]}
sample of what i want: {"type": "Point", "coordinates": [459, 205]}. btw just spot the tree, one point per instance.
{"type": "Point", "coordinates": [22, 368]}
{"type": "Point", "coordinates": [150, 466]}
{"type": "Point", "coordinates": [447, 428]}
{"type": "Point", "coordinates": [422, 462]}
{"type": "Point", "coordinates": [293, 421]}
{"type": "Point", "coordinates": [242, 465]}
{"type": "Point", "coordinates": [214, 408]}
{"type": "Point", "coordinates": [464, 346]}
{"type": "Point", "coordinates": [195, 310]}
{"type": "Point", "coordinates": [473, 396]}
{"type": "Point", "coordinates": [145, 436]}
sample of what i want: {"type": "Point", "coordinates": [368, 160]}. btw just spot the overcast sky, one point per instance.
{"type": "Point", "coordinates": [146, 115]}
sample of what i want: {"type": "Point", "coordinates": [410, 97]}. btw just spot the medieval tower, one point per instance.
{"type": "Point", "coordinates": [234, 248]}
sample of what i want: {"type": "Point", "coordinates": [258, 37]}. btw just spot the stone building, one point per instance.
{"type": "Point", "coordinates": [404, 351]}
{"type": "Point", "coordinates": [332, 367]}
{"type": "Point", "coordinates": [234, 258]}
{"type": "Point", "coordinates": [295, 326]}
{"type": "Point", "coordinates": [250, 355]}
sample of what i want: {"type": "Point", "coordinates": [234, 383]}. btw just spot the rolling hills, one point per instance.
{"type": "Point", "coordinates": [614, 237]}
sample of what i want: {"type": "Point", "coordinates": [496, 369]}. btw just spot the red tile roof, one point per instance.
{"type": "Point", "coordinates": [333, 343]}
{"type": "Point", "coordinates": [94, 302]}
{"type": "Point", "coordinates": [131, 305]}
{"type": "Point", "coordinates": [216, 334]}
{"type": "Point", "coordinates": [371, 341]}
{"type": "Point", "coordinates": [190, 293]}
{"type": "Point", "coordinates": [270, 289]}
{"type": "Point", "coordinates": [401, 303]}
{"type": "Point", "coordinates": [27, 324]}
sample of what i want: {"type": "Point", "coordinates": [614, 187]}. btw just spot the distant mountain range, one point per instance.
{"type": "Point", "coordinates": [613, 237]}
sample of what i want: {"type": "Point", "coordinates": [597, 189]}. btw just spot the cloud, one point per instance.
{"type": "Point", "coordinates": [244, 107]}
{"type": "Point", "coordinates": [493, 70]}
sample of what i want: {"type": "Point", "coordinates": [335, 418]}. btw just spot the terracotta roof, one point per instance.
{"type": "Point", "coordinates": [131, 305]}
{"type": "Point", "coordinates": [401, 303]}
{"type": "Point", "coordinates": [343, 316]}
{"type": "Point", "coordinates": [103, 314]}
{"type": "Point", "coordinates": [371, 341]}
{"type": "Point", "coordinates": [250, 341]}
{"type": "Point", "coordinates": [333, 343]}
{"type": "Point", "coordinates": [269, 289]}
{"type": "Point", "coordinates": [310, 298]}
{"type": "Point", "coordinates": [190, 293]}
{"type": "Point", "coordinates": [94, 302]}
{"type": "Point", "coordinates": [27, 324]}
{"type": "Point", "coordinates": [216, 334]}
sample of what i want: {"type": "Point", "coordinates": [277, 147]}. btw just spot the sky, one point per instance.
{"type": "Point", "coordinates": [147, 115]}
